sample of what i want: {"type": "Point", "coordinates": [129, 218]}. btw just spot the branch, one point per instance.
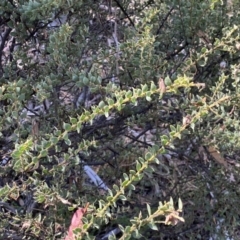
{"type": "Point", "coordinates": [125, 13]}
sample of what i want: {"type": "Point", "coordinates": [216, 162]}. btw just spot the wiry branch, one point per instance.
{"type": "Point", "coordinates": [3, 41]}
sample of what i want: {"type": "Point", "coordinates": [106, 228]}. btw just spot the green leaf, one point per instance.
{"type": "Point", "coordinates": [79, 125]}
{"type": "Point", "coordinates": [127, 229]}
{"type": "Point", "coordinates": [168, 81]}
{"type": "Point", "coordinates": [109, 198]}
{"type": "Point", "coordinates": [156, 160]}
{"type": "Point", "coordinates": [68, 142]}
{"type": "Point", "coordinates": [101, 104]}
{"type": "Point", "coordinates": [153, 87]}
{"type": "Point", "coordinates": [141, 160]}
{"type": "Point", "coordinates": [172, 128]}
{"type": "Point", "coordinates": [125, 176]}
{"type": "Point", "coordinates": [67, 127]}
{"type": "Point", "coordinates": [125, 183]}
{"type": "Point", "coordinates": [180, 204]}
{"type": "Point", "coordinates": [54, 140]}
{"type": "Point", "coordinates": [204, 50]}
{"type": "Point", "coordinates": [138, 166]}
{"type": "Point", "coordinates": [73, 120]}
{"type": "Point", "coordinates": [131, 187]}
{"type": "Point", "coordinates": [203, 61]}
{"type": "Point", "coordinates": [21, 149]}
{"type": "Point", "coordinates": [153, 226]}
{"type": "Point", "coordinates": [136, 234]}
{"type": "Point", "coordinates": [4, 191]}
{"type": "Point", "coordinates": [115, 187]}
{"type": "Point", "coordinates": [164, 140]}
{"type": "Point", "coordinates": [148, 155]}
{"type": "Point", "coordinates": [149, 210]}
{"type": "Point", "coordinates": [85, 81]}
{"type": "Point", "coordinates": [145, 88]}
{"type": "Point", "coordinates": [43, 153]}
{"type": "Point", "coordinates": [149, 99]}
{"type": "Point", "coordinates": [112, 237]}
{"type": "Point", "coordinates": [123, 198]}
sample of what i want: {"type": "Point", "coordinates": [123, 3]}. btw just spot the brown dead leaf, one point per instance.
{"type": "Point", "coordinates": [203, 155]}
{"type": "Point", "coordinates": [76, 222]}
{"type": "Point", "coordinates": [26, 225]}
{"type": "Point", "coordinates": [217, 156]}
{"type": "Point", "coordinates": [35, 129]}
{"type": "Point", "coordinates": [64, 201]}
{"type": "Point", "coordinates": [173, 218]}
{"type": "Point", "coordinates": [205, 38]}
{"type": "Point", "coordinates": [161, 85]}
{"type": "Point", "coordinates": [186, 120]}
{"type": "Point", "coordinates": [200, 86]}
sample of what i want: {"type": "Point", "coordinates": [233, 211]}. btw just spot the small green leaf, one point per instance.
{"type": "Point", "coordinates": [164, 140]}
{"type": "Point", "coordinates": [112, 237]}
{"type": "Point", "coordinates": [123, 198]}
{"type": "Point", "coordinates": [53, 140]}
{"type": "Point", "coordinates": [109, 198]}
{"type": "Point", "coordinates": [79, 125]}
{"type": "Point", "coordinates": [127, 229]}
{"type": "Point", "coordinates": [67, 127]}
{"type": "Point", "coordinates": [68, 142]}
{"type": "Point", "coordinates": [153, 87]}
{"type": "Point", "coordinates": [17, 165]}
{"type": "Point", "coordinates": [131, 187]}
{"type": "Point", "coordinates": [149, 99]}
{"type": "Point", "coordinates": [73, 120]}
{"type": "Point", "coordinates": [101, 104]}
{"type": "Point", "coordinates": [145, 88]}
{"type": "Point", "coordinates": [203, 61]}
{"type": "Point", "coordinates": [124, 184]}
{"type": "Point", "coordinates": [136, 234]}
{"type": "Point", "coordinates": [180, 204]}
{"type": "Point", "coordinates": [168, 81]}
{"type": "Point", "coordinates": [75, 77]}
{"type": "Point", "coordinates": [43, 153]}
{"type": "Point", "coordinates": [115, 187]}
{"type": "Point", "coordinates": [3, 191]}
{"type": "Point", "coordinates": [153, 226]}
{"type": "Point", "coordinates": [141, 160]}
{"type": "Point", "coordinates": [149, 210]}
{"type": "Point", "coordinates": [173, 129]}
{"type": "Point", "coordinates": [128, 94]}
{"type": "Point", "coordinates": [125, 176]}
{"type": "Point", "coordinates": [156, 160]}
{"type": "Point", "coordinates": [138, 166]}
{"type": "Point", "coordinates": [85, 80]}
{"type": "Point", "coordinates": [21, 149]}
{"type": "Point", "coordinates": [148, 155]}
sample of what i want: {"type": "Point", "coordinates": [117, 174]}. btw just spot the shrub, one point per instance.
{"type": "Point", "coordinates": [146, 94]}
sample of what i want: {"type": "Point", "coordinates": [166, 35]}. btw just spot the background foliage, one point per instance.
{"type": "Point", "coordinates": [143, 91]}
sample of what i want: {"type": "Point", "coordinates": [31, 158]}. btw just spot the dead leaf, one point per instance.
{"type": "Point", "coordinates": [161, 85]}
{"type": "Point", "coordinates": [203, 155]}
{"type": "Point", "coordinates": [205, 38]}
{"type": "Point", "coordinates": [76, 222]}
{"type": "Point", "coordinates": [35, 129]}
{"type": "Point", "coordinates": [173, 218]}
{"type": "Point", "coordinates": [187, 120]}
{"type": "Point", "coordinates": [26, 224]}
{"type": "Point", "coordinates": [217, 156]}
{"type": "Point", "coordinates": [200, 86]}
{"type": "Point", "coordinates": [64, 201]}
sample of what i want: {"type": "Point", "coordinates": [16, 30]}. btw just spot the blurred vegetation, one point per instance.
{"type": "Point", "coordinates": [144, 92]}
